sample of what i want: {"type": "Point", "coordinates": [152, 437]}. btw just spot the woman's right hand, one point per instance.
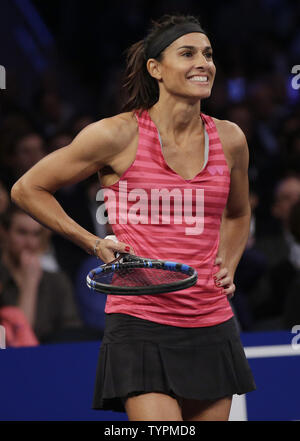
{"type": "Point", "coordinates": [107, 248]}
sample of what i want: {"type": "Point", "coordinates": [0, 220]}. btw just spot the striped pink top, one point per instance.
{"type": "Point", "coordinates": [164, 216]}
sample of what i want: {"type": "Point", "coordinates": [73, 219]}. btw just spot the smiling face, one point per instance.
{"type": "Point", "coordinates": [186, 68]}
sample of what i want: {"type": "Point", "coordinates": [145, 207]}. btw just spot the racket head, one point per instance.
{"type": "Point", "coordinates": [133, 275]}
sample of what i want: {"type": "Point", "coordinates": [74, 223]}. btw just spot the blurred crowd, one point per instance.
{"type": "Point", "coordinates": [43, 295]}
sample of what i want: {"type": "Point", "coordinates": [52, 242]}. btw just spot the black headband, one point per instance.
{"type": "Point", "coordinates": [167, 37]}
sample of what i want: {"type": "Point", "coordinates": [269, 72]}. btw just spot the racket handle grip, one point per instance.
{"type": "Point", "coordinates": [113, 238]}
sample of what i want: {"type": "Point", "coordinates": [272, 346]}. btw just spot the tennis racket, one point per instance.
{"type": "Point", "coordinates": [132, 275]}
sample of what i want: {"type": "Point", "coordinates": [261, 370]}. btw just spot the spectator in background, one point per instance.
{"type": "Point", "coordinates": [291, 269]}
{"type": "Point", "coordinates": [12, 127]}
{"type": "Point", "coordinates": [52, 113]}
{"type": "Point", "coordinates": [251, 269]}
{"type": "Point", "coordinates": [18, 332]}
{"type": "Point", "coordinates": [4, 204]}
{"type": "Point", "coordinates": [26, 150]}
{"type": "Point", "coordinates": [283, 306]}
{"type": "Point", "coordinates": [276, 246]}
{"type": "Point", "coordinates": [47, 252]}
{"type": "Point", "coordinates": [268, 302]}
{"type": "Point", "coordinates": [264, 152]}
{"type": "Point", "coordinates": [45, 298]}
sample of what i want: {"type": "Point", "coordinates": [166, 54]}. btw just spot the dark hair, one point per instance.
{"type": "Point", "coordinates": [141, 90]}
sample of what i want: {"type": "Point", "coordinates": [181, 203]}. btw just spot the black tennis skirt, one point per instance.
{"type": "Point", "coordinates": [138, 356]}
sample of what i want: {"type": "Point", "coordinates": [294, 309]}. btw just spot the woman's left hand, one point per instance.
{"type": "Point", "coordinates": [224, 280]}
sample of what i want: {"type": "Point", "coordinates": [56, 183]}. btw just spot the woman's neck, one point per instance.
{"type": "Point", "coordinates": [176, 118]}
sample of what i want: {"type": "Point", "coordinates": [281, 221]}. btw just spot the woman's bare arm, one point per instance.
{"type": "Point", "coordinates": [96, 146]}
{"type": "Point", "coordinates": [236, 217]}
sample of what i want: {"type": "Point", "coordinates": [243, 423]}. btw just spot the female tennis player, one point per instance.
{"type": "Point", "coordinates": [174, 356]}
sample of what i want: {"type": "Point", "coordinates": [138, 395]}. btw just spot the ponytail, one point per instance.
{"type": "Point", "coordinates": [141, 89]}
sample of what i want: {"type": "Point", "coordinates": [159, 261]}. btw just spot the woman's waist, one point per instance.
{"type": "Point", "coordinates": [122, 327]}
{"type": "Point", "coordinates": [147, 242]}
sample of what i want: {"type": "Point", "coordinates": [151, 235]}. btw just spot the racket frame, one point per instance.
{"type": "Point", "coordinates": [129, 261]}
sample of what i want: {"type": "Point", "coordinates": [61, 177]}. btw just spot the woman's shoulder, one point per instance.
{"type": "Point", "coordinates": [231, 135]}
{"type": "Point", "coordinates": [229, 129]}
{"type": "Point", "coordinates": [118, 130]}
{"type": "Point", "coordinates": [126, 122]}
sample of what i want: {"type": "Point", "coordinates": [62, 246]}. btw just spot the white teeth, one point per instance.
{"type": "Point", "coordinates": [198, 78]}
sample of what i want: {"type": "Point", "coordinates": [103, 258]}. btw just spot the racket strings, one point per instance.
{"type": "Point", "coordinates": [139, 277]}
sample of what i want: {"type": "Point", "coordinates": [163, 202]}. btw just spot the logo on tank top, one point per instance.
{"type": "Point", "coordinates": [215, 169]}
{"type": "Point", "coordinates": [155, 207]}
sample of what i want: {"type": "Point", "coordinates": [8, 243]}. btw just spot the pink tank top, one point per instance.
{"type": "Point", "coordinates": [163, 216]}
